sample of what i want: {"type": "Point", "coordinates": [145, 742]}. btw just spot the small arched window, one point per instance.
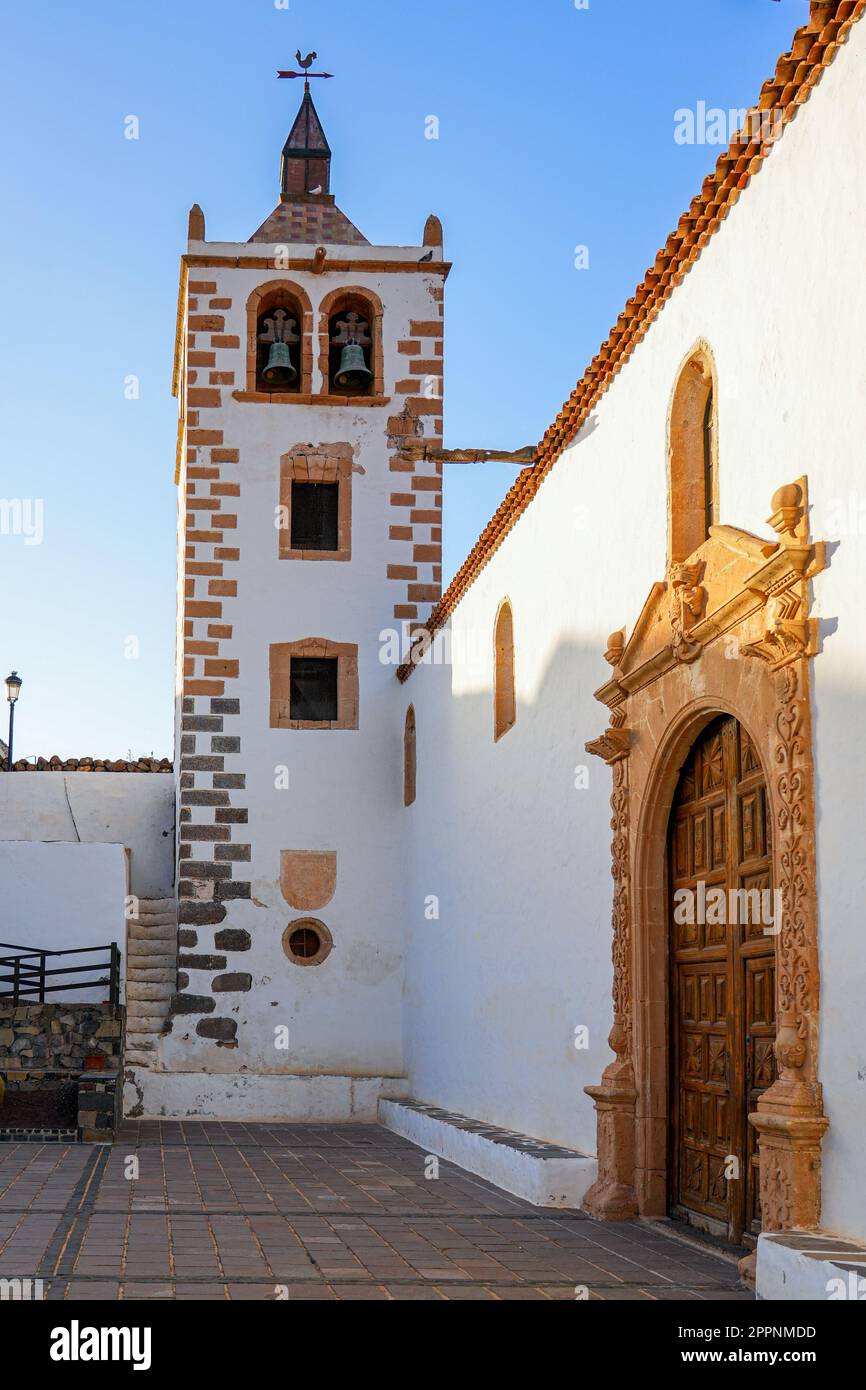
{"type": "Point", "coordinates": [279, 328]}
{"type": "Point", "coordinates": [409, 757]}
{"type": "Point", "coordinates": [693, 456]}
{"type": "Point", "coordinates": [351, 344]}
{"type": "Point", "coordinates": [504, 699]}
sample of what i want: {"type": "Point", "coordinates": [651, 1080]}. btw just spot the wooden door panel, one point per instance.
{"type": "Point", "coordinates": [760, 1010]}
{"type": "Point", "coordinates": [718, 837]}
{"type": "Point", "coordinates": [722, 986]}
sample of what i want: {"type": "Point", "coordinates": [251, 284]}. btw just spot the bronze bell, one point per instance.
{"type": "Point", "coordinates": [279, 370]}
{"type": "Point", "coordinates": [353, 370]}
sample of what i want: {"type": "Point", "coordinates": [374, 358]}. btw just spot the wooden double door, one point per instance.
{"type": "Point", "coordinates": [722, 986]}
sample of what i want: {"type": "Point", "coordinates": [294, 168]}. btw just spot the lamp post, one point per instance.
{"type": "Point", "coordinates": [13, 689]}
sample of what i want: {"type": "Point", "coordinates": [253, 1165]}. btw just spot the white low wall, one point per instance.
{"type": "Point", "coordinates": [62, 897]}
{"type": "Point", "coordinates": [245, 1096]}
{"type": "Point", "coordinates": [135, 809]}
{"type": "Point", "coordinates": [545, 1180]}
{"type": "Point", "coordinates": [810, 1268]}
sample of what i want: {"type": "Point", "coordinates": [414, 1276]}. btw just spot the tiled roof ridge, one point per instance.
{"type": "Point", "coordinates": [315, 220]}
{"type": "Point", "coordinates": [813, 48]}
{"type": "Point", "coordinates": [89, 764]}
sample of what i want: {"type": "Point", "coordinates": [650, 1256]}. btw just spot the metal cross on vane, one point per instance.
{"type": "Point", "coordinates": [305, 64]}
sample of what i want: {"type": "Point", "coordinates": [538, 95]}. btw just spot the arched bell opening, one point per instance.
{"type": "Point", "coordinates": [278, 337]}
{"type": "Point", "coordinates": [351, 364]}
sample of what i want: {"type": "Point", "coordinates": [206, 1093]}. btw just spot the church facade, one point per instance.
{"type": "Point", "coordinates": [571, 848]}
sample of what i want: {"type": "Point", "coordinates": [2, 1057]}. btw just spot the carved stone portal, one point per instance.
{"type": "Point", "coordinates": [727, 632]}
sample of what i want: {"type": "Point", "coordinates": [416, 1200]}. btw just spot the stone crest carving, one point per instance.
{"type": "Point", "coordinates": [686, 604]}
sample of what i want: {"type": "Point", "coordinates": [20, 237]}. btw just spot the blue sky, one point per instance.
{"type": "Point", "coordinates": [556, 130]}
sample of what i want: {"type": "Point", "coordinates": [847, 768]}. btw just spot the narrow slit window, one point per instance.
{"type": "Point", "coordinates": [504, 698]}
{"type": "Point", "coordinates": [313, 689]}
{"type": "Point", "coordinates": [692, 457]}
{"type": "Point", "coordinates": [315, 516]}
{"type": "Point", "coordinates": [709, 422]}
{"type": "Point", "coordinates": [409, 757]}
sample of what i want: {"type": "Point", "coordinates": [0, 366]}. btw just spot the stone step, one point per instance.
{"type": "Point", "coordinates": [136, 932]}
{"type": "Point", "coordinates": [158, 905]}
{"type": "Point", "coordinates": [143, 927]}
{"type": "Point", "coordinates": [138, 1057]}
{"type": "Point", "coordinates": [140, 942]}
{"type": "Point", "coordinates": [151, 960]}
{"type": "Point", "coordinates": [152, 970]}
{"type": "Point", "coordinates": [152, 975]}
{"type": "Point", "coordinates": [150, 990]}
{"type": "Point", "coordinates": [145, 1025]}
{"type": "Point", "coordinates": [139, 1009]}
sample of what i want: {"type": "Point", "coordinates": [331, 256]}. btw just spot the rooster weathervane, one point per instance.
{"type": "Point", "coordinates": [305, 64]}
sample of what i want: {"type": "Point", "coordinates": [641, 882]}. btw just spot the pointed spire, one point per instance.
{"type": "Point", "coordinates": [306, 163]}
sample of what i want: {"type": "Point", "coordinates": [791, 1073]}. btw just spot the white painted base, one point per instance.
{"type": "Point", "coordinates": [810, 1267]}
{"type": "Point", "coordinates": [242, 1096]}
{"type": "Point", "coordinates": [544, 1181]}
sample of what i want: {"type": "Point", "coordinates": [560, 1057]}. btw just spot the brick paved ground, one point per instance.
{"type": "Point", "coordinates": [328, 1212]}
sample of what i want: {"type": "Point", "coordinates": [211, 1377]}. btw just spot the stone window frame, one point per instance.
{"type": "Point", "coordinates": [504, 688]}
{"type": "Point", "coordinates": [327, 463]}
{"type": "Point", "coordinates": [257, 304]}
{"type": "Point", "coordinates": [326, 941]}
{"type": "Point", "coordinates": [372, 306]}
{"type": "Point", "coordinates": [279, 670]}
{"type": "Point", "coordinates": [695, 388]}
{"type": "Point", "coordinates": [410, 757]}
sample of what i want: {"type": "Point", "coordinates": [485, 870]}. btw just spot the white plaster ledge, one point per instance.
{"type": "Point", "coordinates": [810, 1266]}
{"type": "Point", "coordinates": [547, 1175]}
{"type": "Point", "coordinates": [328, 1099]}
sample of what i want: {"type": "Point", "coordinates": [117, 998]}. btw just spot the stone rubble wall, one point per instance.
{"type": "Point", "coordinates": [58, 1036]}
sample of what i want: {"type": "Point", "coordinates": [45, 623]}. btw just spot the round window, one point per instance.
{"type": "Point", "coordinates": [307, 941]}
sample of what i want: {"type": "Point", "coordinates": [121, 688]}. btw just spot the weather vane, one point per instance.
{"type": "Point", "coordinates": [305, 64]}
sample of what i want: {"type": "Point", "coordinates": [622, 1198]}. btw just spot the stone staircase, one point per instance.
{"type": "Point", "coordinates": [151, 976]}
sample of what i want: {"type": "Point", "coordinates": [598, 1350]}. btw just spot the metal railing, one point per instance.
{"type": "Point", "coordinates": [25, 976]}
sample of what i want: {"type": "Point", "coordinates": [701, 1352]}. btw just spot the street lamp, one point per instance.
{"type": "Point", "coordinates": [13, 689]}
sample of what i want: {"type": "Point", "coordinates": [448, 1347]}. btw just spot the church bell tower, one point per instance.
{"type": "Point", "coordinates": [309, 370]}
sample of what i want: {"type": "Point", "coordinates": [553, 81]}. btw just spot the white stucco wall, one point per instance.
{"type": "Point", "coordinates": [133, 809]}
{"type": "Point", "coordinates": [59, 897]}
{"type": "Point", "coordinates": [518, 857]}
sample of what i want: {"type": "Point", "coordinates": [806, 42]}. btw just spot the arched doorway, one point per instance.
{"type": "Point", "coordinates": [723, 917]}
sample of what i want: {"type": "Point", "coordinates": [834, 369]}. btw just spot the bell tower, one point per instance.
{"type": "Point", "coordinates": [308, 369]}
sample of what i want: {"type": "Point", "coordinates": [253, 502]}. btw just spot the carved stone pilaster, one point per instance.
{"type": "Point", "coordinates": [790, 1169]}
{"type": "Point", "coordinates": [789, 1118]}
{"type": "Point", "coordinates": [612, 1196]}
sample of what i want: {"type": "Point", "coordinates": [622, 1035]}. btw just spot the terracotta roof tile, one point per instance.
{"type": "Point", "coordinates": [813, 48]}
{"type": "Point", "coordinates": [309, 220]}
